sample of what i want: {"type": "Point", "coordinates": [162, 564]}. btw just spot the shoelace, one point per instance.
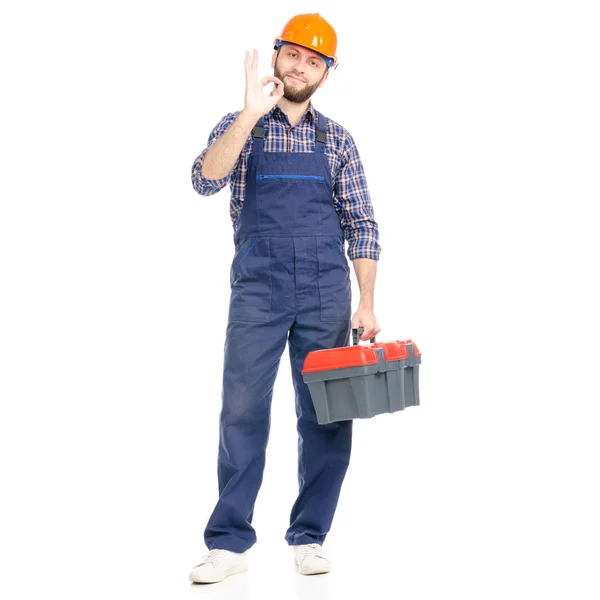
{"type": "Point", "coordinates": [213, 556]}
{"type": "Point", "coordinates": [312, 549]}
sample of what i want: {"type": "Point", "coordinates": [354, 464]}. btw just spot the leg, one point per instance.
{"type": "Point", "coordinates": [323, 450]}
{"type": "Point", "coordinates": [251, 361]}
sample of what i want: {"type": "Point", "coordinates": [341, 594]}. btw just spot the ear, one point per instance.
{"type": "Point", "coordinates": [273, 59]}
{"type": "Point", "coordinates": [324, 78]}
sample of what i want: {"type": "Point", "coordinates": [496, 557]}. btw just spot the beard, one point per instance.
{"type": "Point", "coordinates": [294, 94]}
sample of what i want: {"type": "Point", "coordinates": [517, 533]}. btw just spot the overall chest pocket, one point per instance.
{"type": "Point", "coordinates": [291, 203]}
{"type": "Point", "coordinates": [250, 279]}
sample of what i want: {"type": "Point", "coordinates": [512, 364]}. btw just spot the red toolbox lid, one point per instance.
{"type": "Point", "coordinates": [340, 358]}
{"type": "Point", "coordinates": [393, 350]}
{"type": "Point", "coordinates": [416, 350]}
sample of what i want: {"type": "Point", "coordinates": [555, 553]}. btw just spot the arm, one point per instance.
{"type": "Point", "coordinates": [213, 168]}
{"type": "Point", "coordinates": [366, 272]}
{"type": "Point", "coordinates": [208, 186]}
{"type": "Point", "coordinates": [221, 157]}
{"type": "Point", "coordinates": [361, 231]}
{"type": "Point", "coordinates": [353, 202]}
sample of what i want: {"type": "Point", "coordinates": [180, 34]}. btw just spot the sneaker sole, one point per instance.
{"type": "Point", "coordinates": [313, 571]}
{"type": "Point", "coordinates": [233, 571]}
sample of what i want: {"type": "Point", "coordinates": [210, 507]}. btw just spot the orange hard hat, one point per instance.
{"type": "Point", "coordinates": [311, 31]}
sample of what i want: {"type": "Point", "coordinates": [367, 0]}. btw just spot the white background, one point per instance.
{"type": "Point", "coordinates": [478, 125]}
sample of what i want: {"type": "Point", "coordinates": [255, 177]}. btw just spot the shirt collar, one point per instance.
{"type": "Point", "coordinates": [309, 113]}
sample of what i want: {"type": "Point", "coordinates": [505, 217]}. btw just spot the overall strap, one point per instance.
{"type": "Point", "coordinates": [258, 134]}
{"type": "Point", "coordinates": [320, 133]}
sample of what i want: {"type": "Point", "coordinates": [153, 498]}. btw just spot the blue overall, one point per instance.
{"type": "Point", "coordinates": [290, 282]}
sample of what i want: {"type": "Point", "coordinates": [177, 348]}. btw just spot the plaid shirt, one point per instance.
{"type": "Point", "coordinates": [351, 198]}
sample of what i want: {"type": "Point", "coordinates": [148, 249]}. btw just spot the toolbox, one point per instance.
{"type": "Point", "coordinates": [362, 380]}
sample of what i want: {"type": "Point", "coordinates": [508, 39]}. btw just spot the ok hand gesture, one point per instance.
{"type": "Point", "coordinates": [257, 102]}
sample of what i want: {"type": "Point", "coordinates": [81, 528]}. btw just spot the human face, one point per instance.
{"type": "Point", "coordinates": [301, 71]}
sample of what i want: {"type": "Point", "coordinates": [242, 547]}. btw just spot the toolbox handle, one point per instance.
{"type": "Point", "coordinates": [358, 332]}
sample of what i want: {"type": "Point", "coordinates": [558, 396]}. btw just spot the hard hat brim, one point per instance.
{"type": "Point", "coordinates": [330, 60]}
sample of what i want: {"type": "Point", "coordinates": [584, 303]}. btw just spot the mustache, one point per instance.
{"type": "Point", "coordinates": [296, 76]}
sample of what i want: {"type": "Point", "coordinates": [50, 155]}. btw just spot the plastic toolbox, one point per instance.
{"type": "Point", "coordinates": [363, 380]}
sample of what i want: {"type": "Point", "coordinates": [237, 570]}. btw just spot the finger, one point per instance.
{"type": "Point", "coordinates": [255, 61]}
{"type": "Point", "coordinates": [270, 79]}
{"type": "Point", "coordinates": [279, 87]}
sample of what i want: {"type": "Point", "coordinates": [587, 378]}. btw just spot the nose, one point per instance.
{"type": "Point", "coordinates": [301, 65]}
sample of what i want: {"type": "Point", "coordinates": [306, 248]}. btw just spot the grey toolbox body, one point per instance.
{"type": "Point", "coordinates": [361, 381]}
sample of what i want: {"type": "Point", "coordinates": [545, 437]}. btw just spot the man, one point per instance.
{"type": "Point", "coordinates": [298, 189]}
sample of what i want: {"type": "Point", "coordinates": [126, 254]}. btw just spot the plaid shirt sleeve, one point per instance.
{"type": "Point", "coordinates": [204, 186]}
{"type": "Point", "coordinates": [352, 200]}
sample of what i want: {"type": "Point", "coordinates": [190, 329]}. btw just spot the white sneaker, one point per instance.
{"type": "Point", "coordinates": [217, 565]}
{"type": "Point", "coordinates": [311, 560]}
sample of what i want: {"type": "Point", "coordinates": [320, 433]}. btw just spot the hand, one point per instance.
{"type": "Point", "coordinates": [365, 317]}
{"type": "Point", "coordinates": [257, 102]}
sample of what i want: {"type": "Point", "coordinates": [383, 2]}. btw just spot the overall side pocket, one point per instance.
{"type": "Point", "coordinates": [334, 281]}
{"type": "Point", "coordinates": [251, 286]}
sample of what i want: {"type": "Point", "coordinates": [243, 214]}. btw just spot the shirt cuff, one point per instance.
{"type": "Point", "coordinates": [364, 249]}
{"type": "Point", "coordinates": [202, 185]}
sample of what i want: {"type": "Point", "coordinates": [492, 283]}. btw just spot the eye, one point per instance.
{"type": "Point", "coordinates": [314, 63]}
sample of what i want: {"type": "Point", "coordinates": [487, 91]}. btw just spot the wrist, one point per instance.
{"type": "Point", "coordinates": [249, 117]}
